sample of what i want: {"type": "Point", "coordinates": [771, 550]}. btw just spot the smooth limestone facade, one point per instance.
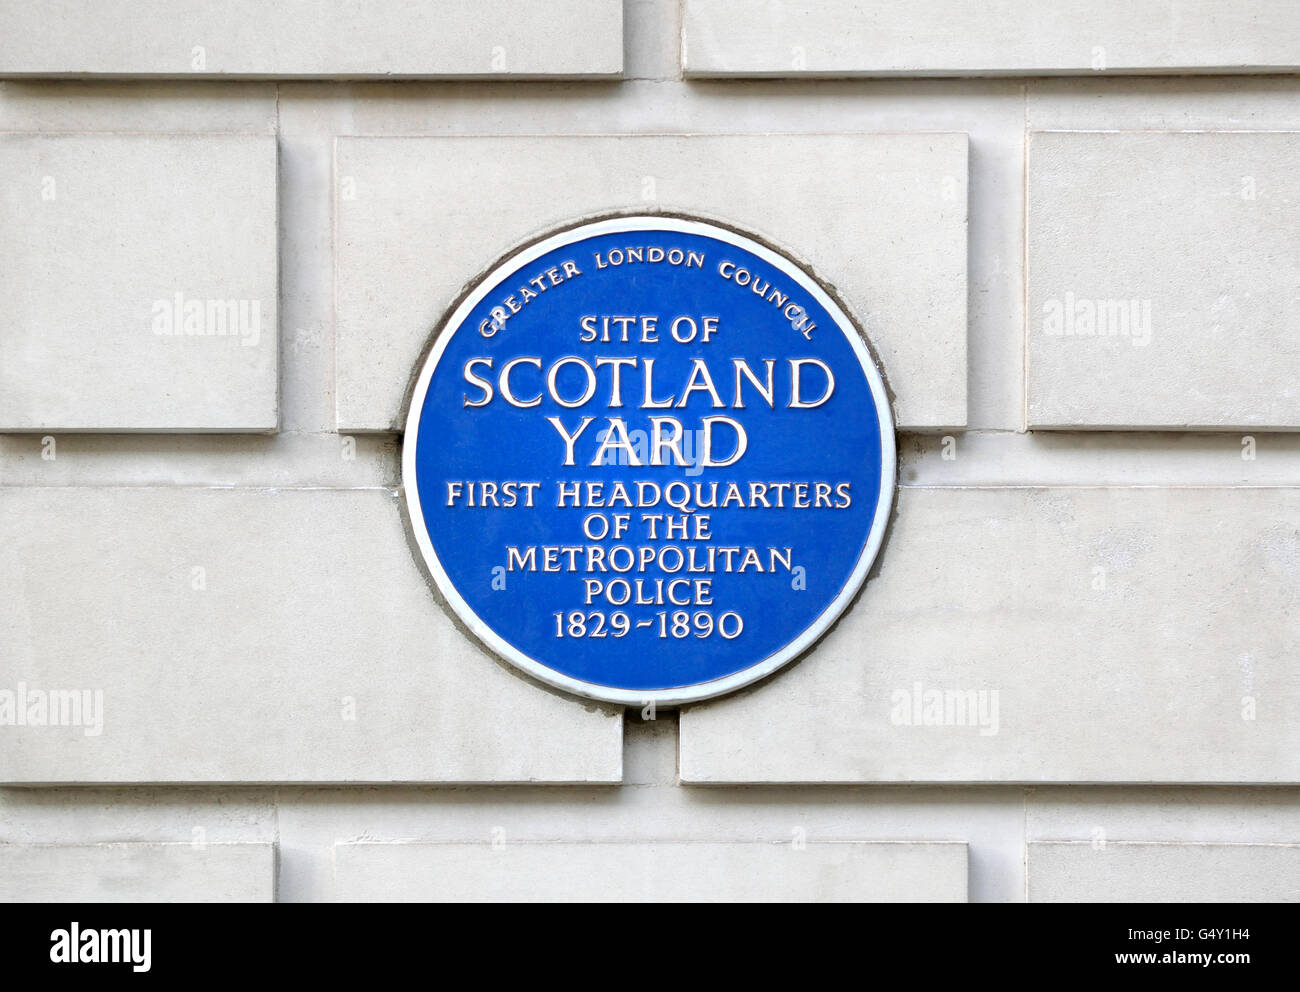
{"type": "Point", "coordinates": [1069, 233]}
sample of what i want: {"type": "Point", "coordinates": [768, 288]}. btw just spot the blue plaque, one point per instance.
{"type": "Point", "coordinates": [648, 459]}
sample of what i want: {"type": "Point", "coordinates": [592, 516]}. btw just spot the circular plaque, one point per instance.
{"type": "Point", "coordinates": [648, 459]}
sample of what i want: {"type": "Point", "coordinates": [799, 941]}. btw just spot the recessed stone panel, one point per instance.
{"type": "Point", "coordinates": [881, 217]}
{"type": "Point", "coordinates": [792, 38]}
{"type": "Point", "coordinates": [651, 871]}
{"type": "Point", "coordinates": [325, 39]}
{"type": "Point", "coordinates": [137, 872]}
{"type": "Point", "coordinates": [1073, 634]}
{"type": "Point", "coordinates": [139, 283]}
{"type": "Point", "coordinates": [1137, 872]}
{"type": "Point", "coordinates": [208, 635]}
{"type": "Point", "coordinates": [1163, 281]}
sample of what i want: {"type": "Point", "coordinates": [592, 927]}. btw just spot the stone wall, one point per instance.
{"type": "Point", "coordinates": [1069, 231]}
